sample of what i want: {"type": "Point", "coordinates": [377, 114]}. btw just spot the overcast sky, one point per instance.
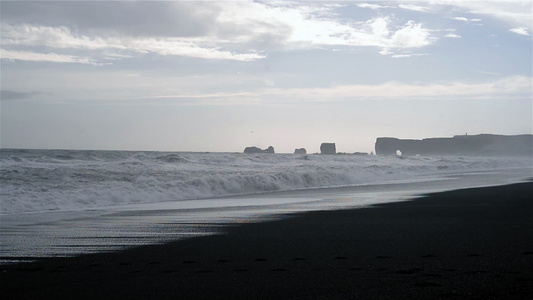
{"type": "Point", "coordinates": [223, 75]}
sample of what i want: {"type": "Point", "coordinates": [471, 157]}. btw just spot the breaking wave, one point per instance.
{"type": "Point", "coordinates": [44, 180]}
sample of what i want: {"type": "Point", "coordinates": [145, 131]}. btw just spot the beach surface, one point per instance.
{"type": "Point", "coordinates": [464, 244]}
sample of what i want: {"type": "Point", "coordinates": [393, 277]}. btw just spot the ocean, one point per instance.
{"type": "Point", "coordinates": [67, 202]}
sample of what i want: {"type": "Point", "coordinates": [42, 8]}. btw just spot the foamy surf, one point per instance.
{"type": "Point", "coordinates": [63, 180]}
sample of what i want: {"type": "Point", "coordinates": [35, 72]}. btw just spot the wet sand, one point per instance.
{"type": "Point", "coordinates": [465, 244]}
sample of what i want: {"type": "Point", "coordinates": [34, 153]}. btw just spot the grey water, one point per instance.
{"type": "Point", "coordinates": [63, 203]}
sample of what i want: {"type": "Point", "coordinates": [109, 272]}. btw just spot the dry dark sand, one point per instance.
{"type": "Point", "coordinates": [465, 244]}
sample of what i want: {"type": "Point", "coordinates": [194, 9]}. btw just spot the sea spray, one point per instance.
{"type": "Point", "coordinates": [44, 180]}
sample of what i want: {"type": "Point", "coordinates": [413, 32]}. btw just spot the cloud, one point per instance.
{"type": "Point", "coordinates": [14, 95]}
{"type": "Point", "coordinates": [377, 32]}
{"type": "Point", "coordinates": [512, 12]}
{"type": "Point", "coordinates": [407, 55]}
{"type": "Point", "coordinates": [188, 48]}
{"type": "Point", "coordinates": [309, 26]}
{"type": "Point", "coordinates": [54, 37]}
{"type": "Point", "coordinates": [520, 30]}
{"type": "Point", "coordinates": [373, 6]}
{"type": "Point", "coordinates": [240, 31]}
{"type": "Point", "coordinates": [45, 57]}
{"type": "Point", "coordinates": [509, 87]}
{"type": "Point", "coordinates": [453, 36]}
{"type": "Point", "coordinates": [466, 19]}
{"type": "Point", "coordinates": [413, 7]}
{"type": "Point", "coordinates": [230, 30]}
{"type": "Point", "coordinates": [410, 36]}
{"type": "Point", "coordinates": [64, 38]}
{"type": "Point", "coordinates": [121, 18]}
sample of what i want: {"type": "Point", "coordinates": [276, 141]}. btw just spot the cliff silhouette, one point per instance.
{"type": "Point", "coordinates": [464, 145]}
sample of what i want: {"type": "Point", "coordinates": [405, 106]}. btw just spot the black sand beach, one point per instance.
{"type": "Point", "coordinates": [465, 244]}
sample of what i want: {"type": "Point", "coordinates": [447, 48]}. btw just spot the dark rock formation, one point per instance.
{"type": "Point", "coordinates": [466, 145]}
{"type": "Point", "coordinates": [270, 149]}
{"type": "Point", "coordinates": [258, 150]}
{"type": "Point", "coordinates": [328, 148]}
{"type": "Point", "coordinates": [252, 149]}
{"type": "Point", "coordinates": [300, 151]}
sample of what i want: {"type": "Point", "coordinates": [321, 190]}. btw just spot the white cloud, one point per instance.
{"type": "Point", "coordinates": [187, 48]}
{"type": "Point", "coordinates": [401, 55]}
{"type": "Point", "coordinates": [520, 30]}
{"type": "Point", "coordinates": [385, 51]}
{"type": "Point", "coordinates": [513, 12]}
{"type": "Point", "coordinates": [63, 38]}
{"type": "Point", "coordinates": [316, 25]}
{"type": "Point", "coordinates": [411, 35]}
{"type": "Point", "coordinates": [45, 57]}
{"type": "Point", "coordinates": [453, 36]}
{"type": "Point", "coordinates": [54, 37]}
{"type": "Point", "coordinates": [406, 55]}
{"type": "Point", "coordinates": [509, 87]}
{"type": "Point", "coordinates": [467, 19]}
{"type": "Point", "coordinates": [378, 32]}
{"type": "Point", "coordinates": [236, 25]}
{"type": "Point", "coordinates": [413, 7]}
{"type": "Point", "coordinates": [461, 19]}
{"type": "Point", "coordinates": [372, 6]}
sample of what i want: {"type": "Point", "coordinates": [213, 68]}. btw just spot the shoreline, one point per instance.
{"type": "Point", "coordinates": [72, 233]}
{"type": "Point", "coordinates": [471, 243]}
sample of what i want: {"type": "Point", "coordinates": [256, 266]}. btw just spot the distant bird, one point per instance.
{"type": "Point", "coordinates": [252, 131]}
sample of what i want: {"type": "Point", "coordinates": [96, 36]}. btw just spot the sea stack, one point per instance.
{"type": "Point", "coordinates": [328, 148]}
{"type": "Point", "coordinates": [300, 151]}
{"type": "Point", "coordinates": [254, 149]}
{"type": "Point", "coordinates": [270, 149]}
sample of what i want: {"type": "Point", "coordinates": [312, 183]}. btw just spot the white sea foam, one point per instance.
{"type": "Point", "coordinates": [44, 180]}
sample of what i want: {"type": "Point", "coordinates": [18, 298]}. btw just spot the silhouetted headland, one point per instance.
{"type": "Point", "coordinates": [467, 145]}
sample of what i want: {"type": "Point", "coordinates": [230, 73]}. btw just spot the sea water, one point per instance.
{"type": "Point", "coordinates": [65, 202]}
{"type": "Point", "coordinates": [59, 180]}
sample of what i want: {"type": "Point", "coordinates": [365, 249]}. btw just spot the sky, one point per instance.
{"type": "Point", "coordinates": [219, 76]}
